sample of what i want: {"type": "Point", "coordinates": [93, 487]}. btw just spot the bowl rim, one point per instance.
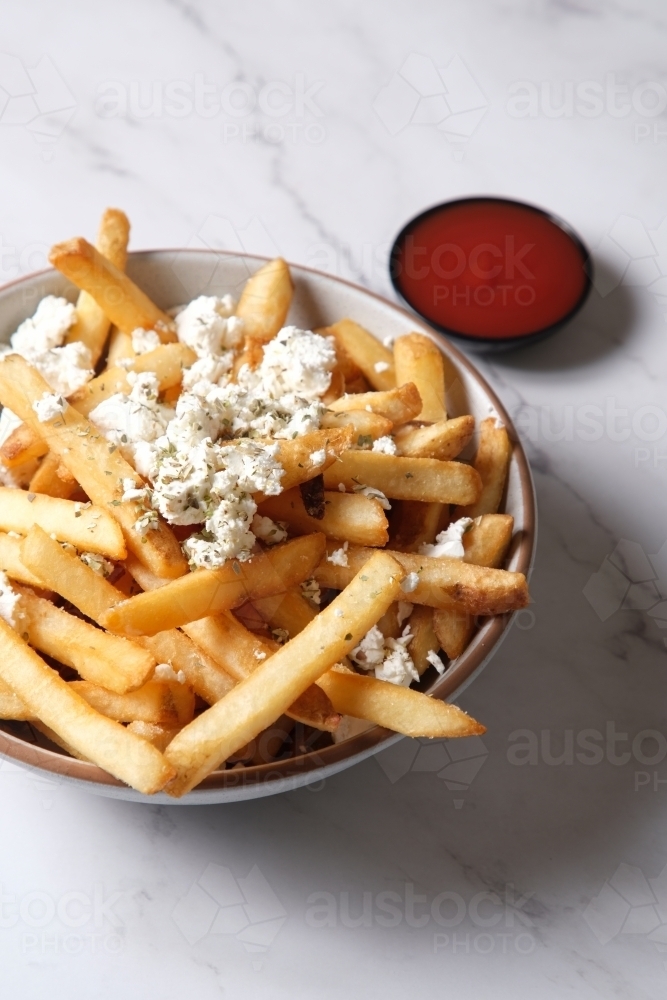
{"type": "Point", "coordinates": [506, 342]}
{"type": "Point", "coordinates": [456, 678]}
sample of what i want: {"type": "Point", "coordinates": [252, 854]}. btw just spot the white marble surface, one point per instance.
{"type": "Point", "coordinates": [100, 898]}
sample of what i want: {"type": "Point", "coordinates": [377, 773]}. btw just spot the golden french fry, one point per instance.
{"type": "Point", "coordinates": [348, 368]}
{"type": "Point", "coordinates": [209, 591]}
{"type": "Point", "coordinates": [363, 423]}
{"type": "Point", "coordinates": [442, 581]}
{"type": "Point", "coordinates": [10, 561]}
{"type": "Point", "coordinates": [424, 640]}
{"type": "Point", "coordinates": [418, 360]}
{"type": "Point", "coordinates": [288, 611]}
{"type": "Point", "coordinates": [90, 529]}
{"type": "Point", "coordinates": [270, 689]}
{"type": "Point", "coordinates": [120, 347]}
{"type": "Point", "coordinates": [163, 703]}
{"type": "Point", "coordinates": [126, 306]}
{"type": "Point", "coordinates": [64, 573]}
{"type": "Point", "coordinates": [336, 387]}
{"type": "Point", "coordinates": [92, 325]}
{"type": "Point", "coordinates": [347, 516]}
{"type": "Point", "coordinates": [424, 479]}
{"type": "Point", "coordinates": [454, 628]}
{"type": "Point", "coordinates": [414, 523]}
{"type": "Point", "coordinates": [115, 663]}
{"type": "Point", "coordinates": [11, 706]}
{"type": "Point", "coordinates": [53, 479]}
{"type": "Point", "coordinates": [52, 700]}
{"type": "Point", "coordinates": [22, 445]}
{"type": "Point", "coordinates": [157, 735]}
{"type": "Point", "coordinates": [204, 675]}
{"type": "Point", "coordinates": [398, 405]}
{"type": "Point", "coordinates": [265, 301]}
{"type": "Point", "coordinates": [239, 652]}
{"type": "Point", "coordinates": [166, 361]}
{"type": "Point", "coordinates": [95, 464]}
{"type": "Point", "coordinates": [374, 359]}
{"type": "Point", "coordinates": [267, 745]}
{"type": "Point", "coordinates": [492, 462]}
{"type": "Point", "coordinates": [444, 440]}
{"type": "Point", "coordinates": [395, 707]}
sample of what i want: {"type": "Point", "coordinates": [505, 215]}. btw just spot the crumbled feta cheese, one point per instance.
{"type": "Point", "coordinates": [267, 530]}
{"type": "Point", "coordinates": [381, 366]}
{"type": "Point", "coordinates": [206, 373]}
{"type": "Point", "coordinates": [8, 423]}
{"type": "Point", "coordinates": [96, 562]}
{"type": "Point", "coordinates": [134, 422]}
{"type": "Point", "coordinates": [388, 341]}
{"type": "Point", "coordinates": [338, 613]}
{"type": "Point", "coordinates": [133, 492]}
{"type": "Point", "coordinates": [435, 661]}
{"type": "Point", "coordinates": [341, 487]}
{"type": "Point", "coordinates": [146, 522]}
{"type": "Point", "coordinates": [66, 368]}
{"type": "Point", "coordinates": [310, 589]}
{"type": "Point", "coordinates": [9, 602]}
{"type": "Point", "coordinates": [281, 635]}
{"type": "Point", "coordinates": [404, 611]}
{"type": "Point", "coordinates": [339, 556]}
{"type": "Point", "coordinates": [370, 491]}
{"type": "Point", "coordinates": [144, 341]}
{"type": "Point", "coordinates": [387, 658]}
{"type": "Point", "coordinates": [410, 583]}
{"type": "Point", "coordinates": [385, 445]}
{"type": "Point", "coordinates": [46, 329]}
{"type": "Point", "coordinates": [165, 672]}
{"type": "Point", "coordinates": [49, 406]}
{"type": "Point", "coordinates": [449, 542]}
{"type": "Point", "coordinates": [318, 457]}
{"type": "Point", "coordinates": [259, 654]}
{"type": "Point", "coordinates": [207, 326]}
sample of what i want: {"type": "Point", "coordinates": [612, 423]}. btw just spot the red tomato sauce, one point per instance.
{"type": "Point", "coordinates": [489, 268]}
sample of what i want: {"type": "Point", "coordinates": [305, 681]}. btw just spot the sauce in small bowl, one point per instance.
{"type": "Point", "coordinates": [491, 273]}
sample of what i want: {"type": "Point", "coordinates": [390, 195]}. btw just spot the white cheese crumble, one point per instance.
{"type": "Point", "coordinates": [388, 341]}
{"type": "Point", "coordinates": [144, 341]}
{"type": "Point", "coordinates": [339, 556]}
{"type": "Point", "coordinates": [387, 658]}
{"type": "Point", "coordinates": [281, 635]}
{"type": "Point", "coordinates": [310, 589]}
{"type": "Point", "coordinates": [381, 366]}
{"type": "Point", "coordinates": [449, 542]}
{"type": "Point", "coordinates": [8, 423]}
{"type": "Point", "coordinates": [341, 488]}
{"type": "Point", "coordinates": [207, 325]}
{"type": "Point", "coordinates": [134, 422]}
{"type": "Point", "coordinates": [373, 494]}
{"type": "Point", "coordinates": [49, 406]}
{"type": "Point", "coordinates": [403, 611]}
{"type": "Point", "coordinates": [259, 654]}
{"type": "Point", "coordinates": [270, 532]}
{"type": "Point", "coordinates": [435, 661]}
{"type": "Point", "coordinates": [385, 445]}
{"type": "Point", "coordinates": [40, 340]}
{"type": "Point", "coordinates": [165, 672]}
{"type": "Point", "coordinates": [96, 562]}
{"type": "Point", "coordinates": [410, 583]}
{"type": "Point", "coordinates": [318, 457]}
{"type": "Point", "coordinates": [9, 602]}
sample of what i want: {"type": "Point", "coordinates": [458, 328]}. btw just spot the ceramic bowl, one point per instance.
{"type": "Point", "coordinates": [173, 276]}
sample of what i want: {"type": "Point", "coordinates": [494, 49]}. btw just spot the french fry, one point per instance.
{"type": "Point", "coordinates": [53, 479]}
{"type": "Point", "coordinates": [347, 516]}
{"type": "Point", "coordinates": [92, 325]}
{"type": "Point", "coordinates": [265, 301]}
{"type": "Point", "coordinates": [22, 445]}
{"type": "Point", "coordinates": [444, 440]}
{"type": "Point", "coordinates": [454, 628]}
{"type": "Point", "coordinates": [288, 611]}
{"type": "Point", "coordinates": [414, 523]}
{"type": "Point", "coordinates": [374, 359]}
{"type": "Point", "coordinates": [108, 660]}
{"type": "Point", "coordinates": [204, 675]}
{"type": "Point", "coordinates": [209, 591]}
{"type": "Point", "coordinates": [64, 573]}
{"type": "Point", "coordinates": [442, 581]}
{"type": "Point", "coordinates": [52, 700]}
{"type": "Point", "coordinates": [95, 464]}
{"type": "Point", "coordinates": [268, 744]}
{"type": "Point", "coordinates": [239, 652]}
{"type": "Point", "coordinates": [126, 306]}
{"type": "Point", "coordinates": [336, 387]}
{"type": "Point", "coordinates": [424, 479]}
{"type": "Point", "coordinates": [363, 423]}
{"type": "Point", "coordinates": [11, 706]}
{"type": "Point", "coordinates": [167, 362]}
{"type": "Point", "coordinates": [418, 360]}
{"type": "Point", "coordinates": [348, 368]}
{"type": "Point", "coordinates": [157, 735]}
{"type": "Point", "coordinates": [492, 462]}
{"type": "Point", "coordinates": [90, 529]}
{"type": "Point", "coordinates": [424, 640]}
{"type": "Point", "coordinates": [162, 703]}
{"type": "Point", "coordinates": [397, 708]}
{"type": "Point", "coordinates": [297, 456]}
{"type": "Point", "coordinates": [11, 564]}
{"type": "Point", "coordinates": [398, 405]}
{"type": "Point", "coordinates": [120, 347]}
{"type": "Point", "coordinates": [270, 689]}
